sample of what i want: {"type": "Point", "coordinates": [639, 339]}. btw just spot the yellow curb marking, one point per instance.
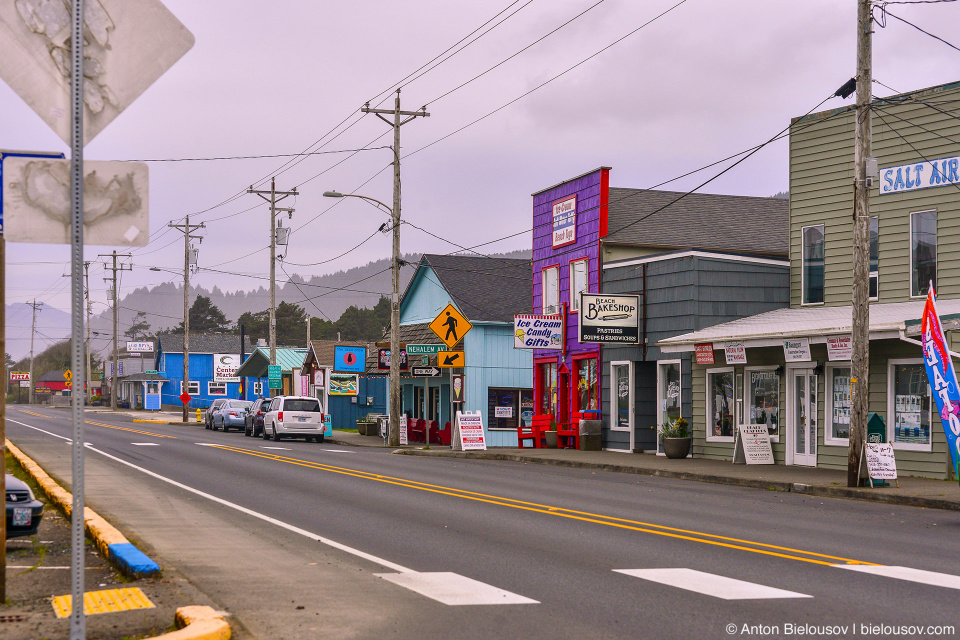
{"type": "Point", "coordinates": [106, 601]}
{"type": "Point", "coordinates": [144, 433]}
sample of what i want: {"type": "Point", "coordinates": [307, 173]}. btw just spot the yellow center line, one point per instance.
{"type": "Point", "coordinates": [145, 433]}
{"type": "Point", "coordinates": [39, 415]}
{"type": "Point", "coordinates": [584, 516]}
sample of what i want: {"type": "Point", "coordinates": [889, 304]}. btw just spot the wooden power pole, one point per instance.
{"type": "Point", "coordinates": [186, 228]}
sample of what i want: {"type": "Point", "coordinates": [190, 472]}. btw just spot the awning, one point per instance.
{"type": "Point", "coordinates": [887, 321]}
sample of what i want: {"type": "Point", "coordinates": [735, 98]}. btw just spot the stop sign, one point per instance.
{"type": "Point", "coordinates": [185, 397]}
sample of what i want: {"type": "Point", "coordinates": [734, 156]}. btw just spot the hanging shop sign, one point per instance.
{"type": "Point", "coordinates": [704, 353]}
{"type": "Point", "coordinates": [470, 426]}
{"type": "Point", "coordinates": [941, 375]}
{"type": "Point", "coordinates": [609, 319]}
{"type": "Point", "coordinates": [225, 367]}
{"type": "Point", "coordinates": [735, 353]}
{"type": "Point", "coordinates": [796, 350]}
{"type": "Point", "coordinates": [457, 386]}
{"type": "Point", "coordinates": [839, 348]}
{"type": "Point", "coordinates": [383, 359]}
{"type": "Point", "coordinates": [318, 378]}
{"type": "Point", "coordinates": [139, 347]}
{"type": "Point", "coordinates": [565, 222]}
{"type": "Point", "coordinates": [920, 175]}
{"type": "Point", "coordinates": [349, 359]}
{"type": "Point", "coordinates": [538, 332]}
{"type": "Point", "coordinates": [344, 384]}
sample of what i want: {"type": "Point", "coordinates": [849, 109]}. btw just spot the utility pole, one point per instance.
{"type": "Point", "coordinates": [274, 197]}
{"type": "Point", "coordinates": [860, 339]}
{"type": "Point", "coordinates": [86, 275]}
{"type": "Point", "coordinates": [395, 299]}
{"type": "Point", "coordinates": [187, 229]}
{"type": "Point", "coordinates": [33, 330]}
{"type": "Point", "coordinates": [115, 379]}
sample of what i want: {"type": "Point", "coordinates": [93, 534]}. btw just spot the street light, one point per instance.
{"type": "Point", "coordinates": [394, 437]}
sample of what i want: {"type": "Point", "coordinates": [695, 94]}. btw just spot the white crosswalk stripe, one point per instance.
{"type": "Point", "coordinates": [907, 573]}
{"type": "Point", "coordinates": [453, 589]}
{"type": "Point", "coordinates": [710, 584]}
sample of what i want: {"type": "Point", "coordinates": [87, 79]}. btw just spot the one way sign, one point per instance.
{"type": "Point", "coordinates": [450, 358]}
{"type": "Point", "coordinates": [426, 372]}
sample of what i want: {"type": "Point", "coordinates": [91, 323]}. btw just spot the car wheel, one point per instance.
{"type": "Point", "coordinates": [276, 436]}
{"type": "Point", "coordinates": [318, 439]}
{"type": "Point", "coordinates": [246, 431]}
{"type": "Point", "coordinates": [266, 436]}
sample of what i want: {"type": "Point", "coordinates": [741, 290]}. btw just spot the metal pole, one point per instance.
{"type": "Point", "coordinates": [273, 271]}
{"type": "Point", "coordinates": [860, 339]}
{"type": "Point", "coordinates": [86, 271]}
{"type": "Point", "coordinates": [77, 619]}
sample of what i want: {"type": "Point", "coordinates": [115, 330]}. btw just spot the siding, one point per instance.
{"type": "Point", "coordinates": [426, 298]}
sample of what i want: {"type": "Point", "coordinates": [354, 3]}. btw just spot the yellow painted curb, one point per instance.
{"type": "Point", "coordinates": [198, 623]}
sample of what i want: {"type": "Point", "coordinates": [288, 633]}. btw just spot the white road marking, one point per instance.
{"type": "Point", "coordinates": [453, 589]}
{"type": "Point", "coordinates": [145, 444]}
{"type": "Point", "coordinates": [277, 448]}
{"type": "Point", "coordinates": [710, 584]}
{"type": "Point", "coordinates": [907, 573]}
{"type": "Point", "coordinates": [338, 451]}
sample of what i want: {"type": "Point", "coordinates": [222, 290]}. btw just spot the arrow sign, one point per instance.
{"type": "Point", "coordinates": [426, 372]}
{"type": "Point", "coordinates": [450, 359]}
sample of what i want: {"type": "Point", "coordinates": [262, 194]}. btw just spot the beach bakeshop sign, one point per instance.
{"type": "Point", "coordinates": [614, 319]}
{"type": "Point", "coordinates": [565, 222]}
{"type": "Point", "coordinates": [538, 332]}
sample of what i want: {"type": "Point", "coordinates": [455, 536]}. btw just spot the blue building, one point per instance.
{"type": "Point", "coordinates": [214, 357]}
{"type": "Point", "coordinates": [488, 292]}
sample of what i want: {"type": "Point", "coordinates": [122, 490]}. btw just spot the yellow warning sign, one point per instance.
{"type": "Point", "coordinates": [450, 326]}
{"type": "Point", "coordinates": [106, 601]}
{"type": "Point", "coordinates": [68, 375]}
{"type": "Point", "coordinates": [450, 358]}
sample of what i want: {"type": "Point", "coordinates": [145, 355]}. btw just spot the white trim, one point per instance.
{"type": "Point", "coordinates": [747, 397]}
{"type": "Point", "coordinates": [803, 260]}
{"type": "Point", "coordinates": [211, 384]}
{"type": "Point", "coordinates": [614, 418]}
{"type": "Point", "coordinates": [891, 393]}
{"type": "Point", "coordinates": [708, 414]}
{"type": "Point", "coordinates": [543, 289]}
{"type": "Point", "coordinates": [661, 397]}
{"type": "Point", "coordinates": [575, 306]}
{"type": "Point", "coordinates": [936, 258]}
{"type": "Point", "coordinates": [828, 369]}
{"type": "Point", "coordinates": [660, 257]}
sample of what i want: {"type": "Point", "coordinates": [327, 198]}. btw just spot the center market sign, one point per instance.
{"type": "Point", "coordinates": [609, 319]}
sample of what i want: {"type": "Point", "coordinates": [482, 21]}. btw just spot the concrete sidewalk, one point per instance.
{"type": "Point", "coordinates": [919, 492]}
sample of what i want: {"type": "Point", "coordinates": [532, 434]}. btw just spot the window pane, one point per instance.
{"type": "Point", "coordinates": [924, 251]}
{"type": "Point", "coordinates": [911, 404]}
{"type": "Point", "coordinates": [502, 408]}
{"type": "Point", "coordinates": [548, 388]}
{"type": "Point", "coordinates": [813, 264]}
{"type": "Point", "coordinates": [840, 388]}
{"type": "Point", "coordinates": [671, 391]}
{"type": "Point", "coordinates": [721, 400]}
{"type": "Point", "coordinates": [588, 385]}
{"type": "Point", "coordinates": [551, 290]}
{"type": "Point", "coordinates": [578, 282]}
{"type": "Point", "coordinates": [765, 400]}
{"type": "Point", "coordinates": [621, 375]}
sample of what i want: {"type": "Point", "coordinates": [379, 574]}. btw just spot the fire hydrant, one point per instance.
{"type": "Point", "coordinates": [198, 416]}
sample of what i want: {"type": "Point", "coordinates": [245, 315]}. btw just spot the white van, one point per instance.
{"type": "Point", "coordinates": [294, 416]}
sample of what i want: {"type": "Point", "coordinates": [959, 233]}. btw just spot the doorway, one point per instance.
{"type": "Point", "coordinates": [803, 427]}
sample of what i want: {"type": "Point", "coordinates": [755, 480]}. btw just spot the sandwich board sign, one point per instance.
{"type": "Point", "coordinates": [470, 427]}
{"type": "Point", "coordinates": [753, 445]}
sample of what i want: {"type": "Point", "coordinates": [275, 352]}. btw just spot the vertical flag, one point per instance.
{"type": "Point", "coordinates": [940, 373]}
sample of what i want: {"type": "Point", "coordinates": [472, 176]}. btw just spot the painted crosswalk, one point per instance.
{"type": "Point", "coordinates": [453, 589]}
{"type": "Point", "coordinates": [909, 574]}
{"type": "Point", "coordinates": [710, 584]}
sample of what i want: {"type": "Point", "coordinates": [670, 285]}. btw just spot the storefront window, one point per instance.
{"type": "Point", "coordinates": [621, 385]}
{"type": "Point", "coordinates": [911, 405]}
{"type": "Point", "coordinates": [813, 264]}
{"type": "Point", "coordinates": [670, 391]}
{"type": "Point", "coordinates": [763, 400]}
{"type": "Point", "coordinates": [838, 385]}
{"type": "Point", "coordinates": [578, 282]}
{"type": "Point", "coordinates": [505, 407]}
{"type": "Point", "coordinates": [547, 403]}
{"type": "Point", "coordinates": [720, 404]}
{"type": "Point", "coordinates": [923, 251]}
{"type": "Point", "coordinates": [588, 385]}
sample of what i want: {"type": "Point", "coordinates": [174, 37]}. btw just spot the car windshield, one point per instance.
{"type": "Point", "coordinates": [239, 404]}
{"type": "Point", "coordinates": [302, 405]}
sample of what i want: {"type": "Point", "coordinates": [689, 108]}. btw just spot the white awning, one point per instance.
{"type": "Point", "coordinates": [887, 321]}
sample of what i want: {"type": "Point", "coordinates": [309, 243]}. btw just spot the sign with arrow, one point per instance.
{"type": "Point", "coordinates": [450, 359]}
{"type": "Point", "coordinates": [425, 372]}
{"type": "Point", "coordinates": [450, 326]}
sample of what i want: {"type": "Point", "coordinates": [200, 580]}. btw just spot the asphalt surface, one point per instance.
{"type": "Point", "coordinates": [555, 535]}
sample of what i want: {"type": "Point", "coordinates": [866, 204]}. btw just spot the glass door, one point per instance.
{"type": "Point", "coordinates": [622, 399]}
{"type": "Point", "coordinates": [668, 394]}
{"type": "Point", "coordinates": [802, 444]}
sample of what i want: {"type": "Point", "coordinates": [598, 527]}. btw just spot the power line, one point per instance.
{"type": "Point", "coordinates": [276, 155]}
{"type": "Point", "coordinates": [883, 23]}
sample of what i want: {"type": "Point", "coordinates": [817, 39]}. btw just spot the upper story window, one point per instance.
{"type": "Point", "coordinates": [578, 282]}
{"type": "Point", "coordinates": [551, 290]}
{"type": "Point", "coordinates": [874, 257]}
{"type": "Point", "coordinates": [923, 252]}
{"type": "Point", "coordinates": [813, 264]}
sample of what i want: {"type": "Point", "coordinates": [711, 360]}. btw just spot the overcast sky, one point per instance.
{"type": "Point", "coordinates": [705, 81]}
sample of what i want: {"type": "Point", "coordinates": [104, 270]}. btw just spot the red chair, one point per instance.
{"type": "Point", "coordinates": [568, 435]}
{"type": "Point", "coordinates": [445, 434]}
{"type": "Point", "coordinates": [434, 433]}
{"type": "Point", "coordinates": [532, 433]}
{"type": "Point", "coordinates": [419, 432]}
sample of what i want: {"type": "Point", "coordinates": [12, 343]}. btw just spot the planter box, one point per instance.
{"type": "Point", "coordinates": [368, 429]}
{"type": "Point", "coordinates": [676, 447]}
{"type": "Point", "coordinates": [551, 439]}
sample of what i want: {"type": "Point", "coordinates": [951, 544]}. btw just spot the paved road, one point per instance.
{"type": "Point", "coordinates": [303, 540]}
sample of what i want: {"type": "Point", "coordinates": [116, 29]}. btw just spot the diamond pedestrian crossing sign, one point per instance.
{"type": "Point", "coordinates": [450, 326]}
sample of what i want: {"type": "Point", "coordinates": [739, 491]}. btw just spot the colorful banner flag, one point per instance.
{"type": "Point", "coordinates": [940, 373]}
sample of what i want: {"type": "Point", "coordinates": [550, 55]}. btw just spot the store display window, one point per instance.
{"type": "Point", "coordinates": [763, 400]}
{"type": "Point", "coordinates": [909, 405]}
{"type": "Point", "coordinates": [720, 405]}
{"type": "Point", "coordinates": [587, 392]}
{"type": "Point", "coordinates": [547, 388]}
{"type": "Point", "coordinates": [839, 395]}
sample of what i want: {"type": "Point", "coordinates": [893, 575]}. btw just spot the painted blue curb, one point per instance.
{"type": "Point", "coordinates": [131, 561]}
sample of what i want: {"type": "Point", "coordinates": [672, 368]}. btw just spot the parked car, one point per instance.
{"type": "Point", "coordinates": [24, 511]}
{"type": "Point", "coordinates": [294, 416]}
{"type": "Point", "coordinates": [232, 414]}
{"type": "Point", "coordinates": [253, 423]}
{"type": "Point", "coordinates": [208, 416]}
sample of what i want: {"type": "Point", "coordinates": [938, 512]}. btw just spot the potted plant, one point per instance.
{"type": "Point", "coordinates": [675, 438]}
{"type": "Point", "coordinates": [550, 435]}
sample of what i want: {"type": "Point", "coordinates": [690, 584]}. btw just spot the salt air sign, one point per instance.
{"type": "Point", "coordinates": [920, 175]}
{"type": "Point", "coordinates": [565, 222]}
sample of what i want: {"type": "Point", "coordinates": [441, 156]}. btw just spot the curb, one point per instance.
{"type": "Point", "coordinates": [774, 485]}
{"type": "Point", "coordinates": [198, 623]}
{"type": "Point", "coordinates": [112, 544]}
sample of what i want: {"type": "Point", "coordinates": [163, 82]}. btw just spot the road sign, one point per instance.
{"type": "Point", "coordinates": [451, 359]}
{"type": "Point", "coordinates": [152, 372]}
{"type": "Point", "coordinates": [68, 375]}
{"type": "Point", "coordinates": [425, 372]}
{"type": "Point", "coordinates": [450, 326]}
{"type": "Point", "coordinates": [185, 397]}
{"type": "Point", "coordinates": [273, 371]}
{"type": "Point", "coordinates": [423, 349]}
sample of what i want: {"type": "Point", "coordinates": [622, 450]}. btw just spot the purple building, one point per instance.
{"type": "Point", "coordinates": [569, 219]}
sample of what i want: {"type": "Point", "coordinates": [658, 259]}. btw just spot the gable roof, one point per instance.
{"type": "Point", "coordinates": [56, 375]}
{"type": "Point", "coordinates": [204, 343]}
{"type": "Point", "coordinates": [322, 352]}
{"type": "Point", "coordinates": [255, 366]}
{"type": "Point", "coordinates": [743, 224]}
{"type": "Point", "coordinates": [485, 289]}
